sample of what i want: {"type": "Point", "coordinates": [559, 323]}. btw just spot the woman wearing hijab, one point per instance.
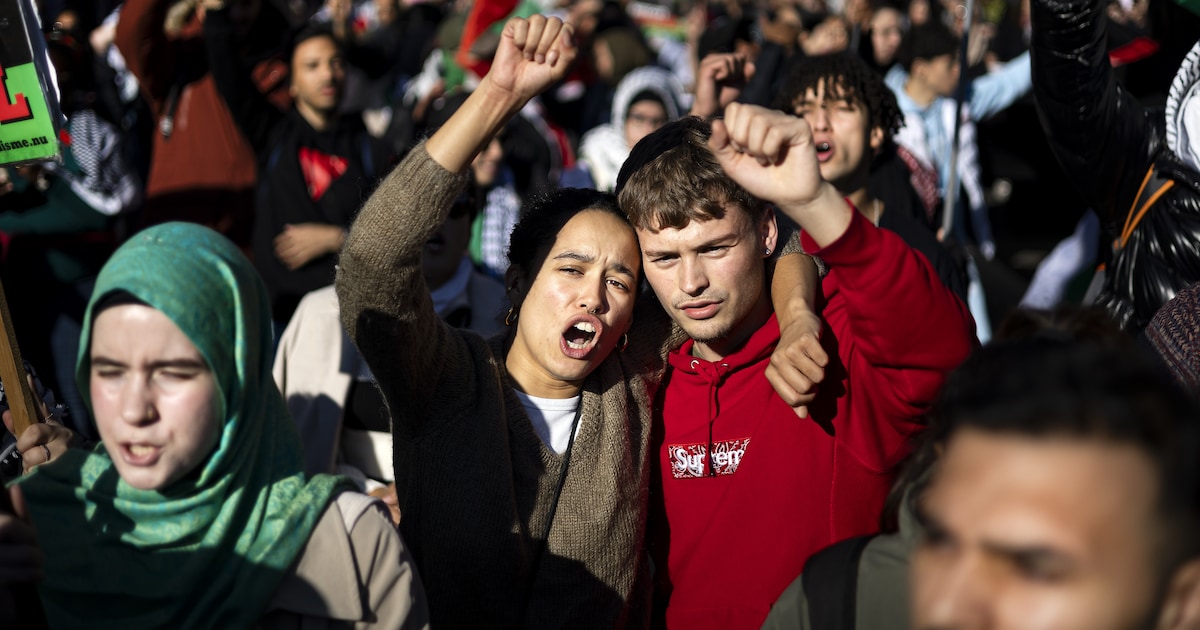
{"type": "Point", "coordinates": [194, 512]}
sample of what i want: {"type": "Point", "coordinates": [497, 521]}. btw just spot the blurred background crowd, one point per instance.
{"type": "Point", "coordinates": [183, 110]}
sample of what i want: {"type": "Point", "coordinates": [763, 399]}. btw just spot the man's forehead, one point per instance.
{"type": "Point", "coordinates": [1071, 493]}
{"type": "Point", "coordinates": [701, 227]}
{"type": "Point", "coordinates": [829, 89]}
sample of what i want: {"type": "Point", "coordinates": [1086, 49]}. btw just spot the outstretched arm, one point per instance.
{"type": "Point", "coordinates": [385, 305]}
{"type": "Point", "coordinates": [1098, 132]}
{"type": "Point", "coordinates": [144, 45]}
{"type": "Point", "coordinates": [533, 54]}
{"type": "Point", "coordinates": [254, 115]}
{"type": "Point", "coordinates": [895, 352]}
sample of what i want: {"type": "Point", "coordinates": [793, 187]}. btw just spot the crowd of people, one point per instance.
{"type": "Point", "coordinates": [383, 314]}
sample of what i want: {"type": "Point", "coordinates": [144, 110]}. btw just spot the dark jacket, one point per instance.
{"type": "Point", "coordinates": [872, 594]}
{"type": "Point", "coordinates": [1106, 143]}
{"type": "Point", "coordinates": [342, 163]}
{"type": "Point", "coordinates": [203, 170]}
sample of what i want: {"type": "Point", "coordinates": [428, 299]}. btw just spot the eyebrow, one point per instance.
{"type": "Point", "coordinates": [1017, 551]}
{"type": "Point", "coordinates": [721, 240]}
{"type": "Point", "coordinates": [584, 258]}
{"type": "Point", "coordinates": [154, 365]}
{"type": "Point", "coordinates": [1027, 552]}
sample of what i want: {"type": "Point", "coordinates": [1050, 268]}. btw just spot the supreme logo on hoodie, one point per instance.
{"type": "Point", "coordinates": [690, 461]}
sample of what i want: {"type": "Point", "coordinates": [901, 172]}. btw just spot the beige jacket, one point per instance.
{"type": "Point", "coordinates": [354, 572]}
{"type": "Point", "coordinates": [316, 363]}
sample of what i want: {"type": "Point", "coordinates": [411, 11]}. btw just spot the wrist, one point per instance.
{"type": "Point", "coordinates": [503, 103]}
{"type": "Point", "coordinates": [824, 216]}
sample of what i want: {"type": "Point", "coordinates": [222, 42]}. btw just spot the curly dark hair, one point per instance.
{"type": "Point", "coordinates": [854, 80]}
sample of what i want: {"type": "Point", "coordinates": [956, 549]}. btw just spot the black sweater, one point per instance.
{"type": "Point", "coordinates": [304, 175]}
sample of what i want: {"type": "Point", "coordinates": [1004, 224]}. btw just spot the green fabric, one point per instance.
{"type": "Point", "coordinates": [1190, 5]}
{"type": "Point", "coordinates": [475, 245]}
{"type": "Point", "coordinates": [210, 550]}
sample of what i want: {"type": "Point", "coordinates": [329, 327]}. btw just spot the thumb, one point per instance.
{"type": "Point", "coordinates": [748, 71]}
{"type": "Point", "coordinates": [719, 141]}
{"type": "Point", "coordinates": [8, 422]}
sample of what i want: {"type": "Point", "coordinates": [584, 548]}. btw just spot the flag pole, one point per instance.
{"type": "Point", "coordinates": [960, 96]}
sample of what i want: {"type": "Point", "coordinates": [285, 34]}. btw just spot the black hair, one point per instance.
{"type": "Point", "coordinates": [116, 297]}
{"type": "Point", "coordinates": [849, 77]}
{"type": "Point", "coordinates": [926, 41]}
{"type": "Point", "coordinates": [1042, 387]}
{"type": "Point", "coordinates": [646, 95]}
{"type": "Point", "coordinates": [723, 35]}
{"type": "Point", "coordinates": [309, 31]}
{"type": "Point", "coordinates": [544, 217]}
{"type": "Point", "coordinates": [1064, 323]}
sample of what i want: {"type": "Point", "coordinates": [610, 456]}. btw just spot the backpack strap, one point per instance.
{"type": "Point", "coordinates": [831, 584]}
{"type": "Point", "coordinates": [1154, 186]}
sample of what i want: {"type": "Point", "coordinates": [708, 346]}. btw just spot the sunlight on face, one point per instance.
{"type": "Point", "coordinates": [709, 274]}
{"type": "Point", "coordinates": [153, 394]}
{"type": "Point", "coordinates": [1034, 534]}
{"type": "Point", "coordinates": [578, 305]}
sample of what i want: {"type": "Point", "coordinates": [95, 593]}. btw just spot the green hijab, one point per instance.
{"type": "Point", "coordinates": [210, 550]}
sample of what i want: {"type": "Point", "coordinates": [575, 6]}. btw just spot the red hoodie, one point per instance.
{"type": "Point", "coordinates": [742, 523]}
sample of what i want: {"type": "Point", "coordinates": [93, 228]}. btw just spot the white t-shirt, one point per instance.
{"type": "Point", "coordinates": [551, 418]}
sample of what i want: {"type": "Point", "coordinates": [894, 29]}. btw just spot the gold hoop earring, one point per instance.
{"type": "Point", "coordinates": [508, 318]}
{"type": "Point", "coordinates": [624, 343]}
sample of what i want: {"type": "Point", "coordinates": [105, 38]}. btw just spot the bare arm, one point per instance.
{"type": "Point", "coordinates": [385, 305]}
{"type": "Point", "coordinates": [532, 55]}
{"type": "Point", "coordinates": [798, 363]}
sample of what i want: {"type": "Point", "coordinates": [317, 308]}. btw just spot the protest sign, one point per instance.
{"type": "Point", "coordinates": [29, 112]}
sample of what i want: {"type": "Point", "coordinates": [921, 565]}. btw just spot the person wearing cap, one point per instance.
{"type": "Point", "coordinates": [745, 490]}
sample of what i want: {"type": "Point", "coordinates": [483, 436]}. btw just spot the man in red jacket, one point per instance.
{"type": "Point", "coordinates": [748, 490]}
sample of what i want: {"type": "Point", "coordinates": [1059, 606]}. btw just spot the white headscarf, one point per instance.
{"type": "Point", "coordinates": [1183, 110]}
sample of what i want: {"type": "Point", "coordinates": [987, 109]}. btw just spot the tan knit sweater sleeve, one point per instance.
{"type": "Point", "coordinates": [385, 305]}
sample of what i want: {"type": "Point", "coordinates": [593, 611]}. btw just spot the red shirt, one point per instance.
{"type": "Point", "coordinates": [749, 490]}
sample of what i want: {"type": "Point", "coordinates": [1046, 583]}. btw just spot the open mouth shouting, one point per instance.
{"type": "Point", "coordinates": [140, 454]}
{"type": "Point", "coordinates": [581, 337]}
